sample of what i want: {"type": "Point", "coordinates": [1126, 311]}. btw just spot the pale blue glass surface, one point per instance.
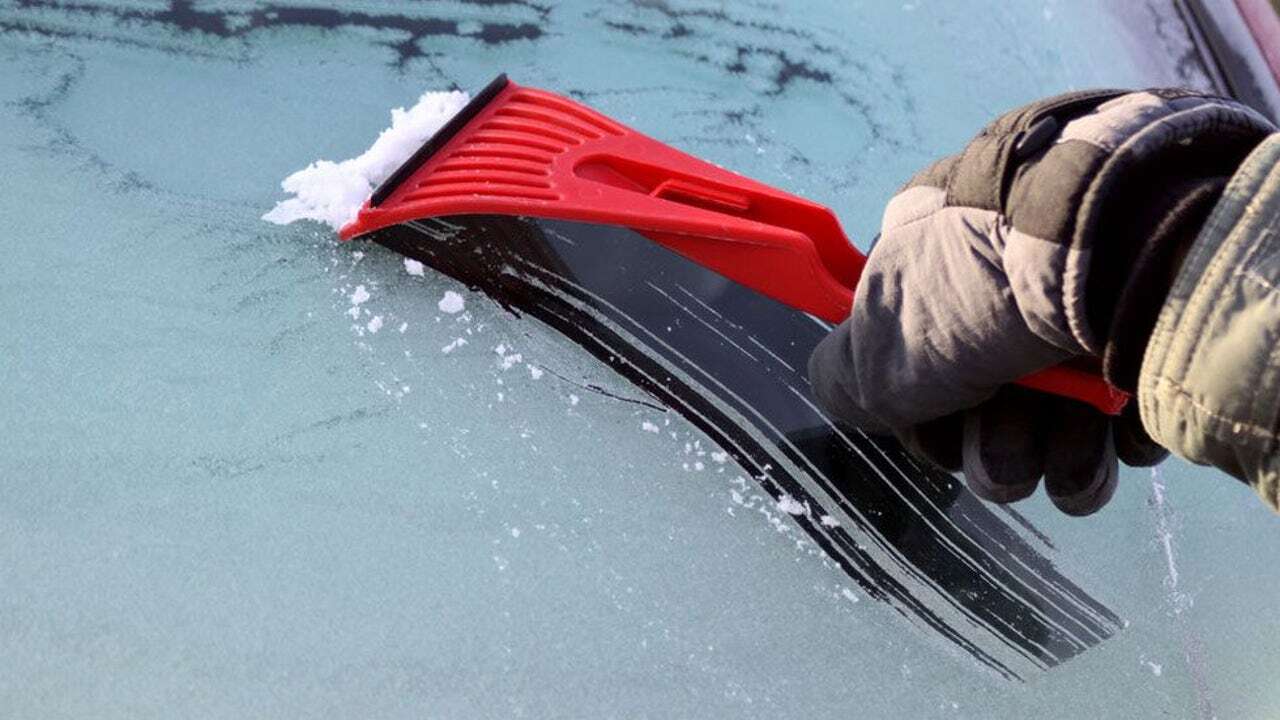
{"type": "Point", "coordinates": [221, 496]}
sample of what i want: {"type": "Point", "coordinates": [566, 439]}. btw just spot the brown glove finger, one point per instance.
{"type": "Point", "coordinates": [937, 441]}
{"type": "Point", "coordinates": [835, 388]}
{"type": "Point", "coordinates": [1081, 472]}
{"type": "Point", "coordinates": [1003, 449]}
{"type": "Point", "coordinates": [1134, 446]}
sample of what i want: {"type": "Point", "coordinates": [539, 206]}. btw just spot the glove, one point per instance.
{"type": "Point", "coordinates": [1053, 236]}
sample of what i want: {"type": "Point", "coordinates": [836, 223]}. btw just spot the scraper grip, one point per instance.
{"type": "Point", "coordinates": [817, 269]}
{"type": "Point", "coordinates": [523, 152]}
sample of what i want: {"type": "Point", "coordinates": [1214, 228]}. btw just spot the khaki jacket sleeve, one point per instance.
{"type": "Point", "coordinates": [1209, 388]}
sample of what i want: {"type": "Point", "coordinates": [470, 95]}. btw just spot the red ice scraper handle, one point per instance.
{"type": "Point", "coordinates": [524, 152]}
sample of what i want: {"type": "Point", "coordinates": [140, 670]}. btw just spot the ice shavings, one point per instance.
{"type": "Point", "coordinates": [451, 303]}
{"type": "Point", "coordinates": [358, 297]}
{"type": "Point", "coordinates": [375, 324]}
{"type": "Point", "coordinates": [508, 361]}
{"type": "Point", "coordinates": [791, 506]}
{"type": "Point", "coordinates": [413, 267]}
{"type": "Point", "coordinates": [332, 192]}
{"type": "Point", "coordinates": [748, 495]}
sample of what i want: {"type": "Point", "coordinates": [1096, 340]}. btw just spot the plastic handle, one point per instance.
{"type": "Point", "coordinates": [1087, 387]}
{"type": "Point", "coordinates": [827, 296]}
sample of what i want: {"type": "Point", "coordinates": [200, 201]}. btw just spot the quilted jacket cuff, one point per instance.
{"type": "Point", "coordinates": [1209, 388]}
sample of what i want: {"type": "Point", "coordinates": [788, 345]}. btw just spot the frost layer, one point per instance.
{"type": "Point", "coordinates": [332, 192]}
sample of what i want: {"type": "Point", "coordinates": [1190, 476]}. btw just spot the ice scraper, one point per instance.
{"type": "Point", "coordinates": [525, 153]}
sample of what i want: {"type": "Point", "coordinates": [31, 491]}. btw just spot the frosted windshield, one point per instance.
{"type": "Point", "coordinates": [250, 471]}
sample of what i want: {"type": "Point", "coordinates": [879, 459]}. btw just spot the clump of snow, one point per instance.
{"type": "Point", "coordinates": [508, 361]}
{"type": "Point", "coordinates": [375, 324]}
{"type": "Point", "coordinates": [451, 303]}
{"type": "Point", "coordinates": [791, 506]}
{"type": "Point", "coordinates": [648, 427]}
{"type": "Point", "coordinates": [413, 267]}
{"type": "Point", "coordinates": [457, 343]}
{"type": "Point", "coordinates": [332, 192]}
{"type": "Point", "coordinates": [535, 372]}
{"type": "Point", "coordinates": [359, 296]}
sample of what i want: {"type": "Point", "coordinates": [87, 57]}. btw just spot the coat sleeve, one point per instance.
{"type": "Point", "coordinates": [1209, 387]}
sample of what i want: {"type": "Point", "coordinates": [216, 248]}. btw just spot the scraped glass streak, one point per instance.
{"type": "Point", "coordinates": [222, 495]}
{"type": "Point", "coordinates": [732, 362]}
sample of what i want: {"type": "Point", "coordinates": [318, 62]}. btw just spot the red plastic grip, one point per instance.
{"type": "Point", "coordinates": [531, 153]}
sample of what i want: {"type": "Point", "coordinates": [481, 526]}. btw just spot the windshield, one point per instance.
{"type": "Point", "coordinates": [250, 471]}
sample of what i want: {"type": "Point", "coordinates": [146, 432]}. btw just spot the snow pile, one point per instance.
{"type": "Point", "coordinates": [451, 303]}
{"type": "Point", "coordinates": [791, 506]}
{"type": "Point", "coordinates": [332, 192]}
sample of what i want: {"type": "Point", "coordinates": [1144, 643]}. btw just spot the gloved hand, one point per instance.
{"type": "Point", "coordinates": [1054, 235]}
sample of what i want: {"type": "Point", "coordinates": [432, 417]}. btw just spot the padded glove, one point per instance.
{"type": "Point", "coordinates": [1052, 237]}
